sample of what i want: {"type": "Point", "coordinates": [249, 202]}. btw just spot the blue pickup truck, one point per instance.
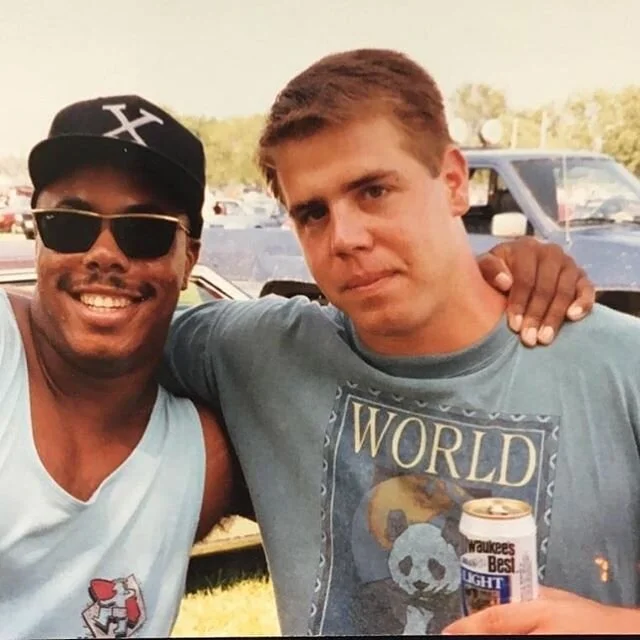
{"type": "Point", "coordinates": [586, 202]}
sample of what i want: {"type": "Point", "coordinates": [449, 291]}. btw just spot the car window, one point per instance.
{"type": "Point", "coordinates": [478, 217]}
{"type": "Point", "coordinates": [580, 190]}
{"type": "Point", "coordinates": [479, 187]}
{"type": "Point", "coordinates": [489, 195]}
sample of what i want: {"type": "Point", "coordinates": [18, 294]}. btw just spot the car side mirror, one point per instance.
{"type": "Point", "coordinates": [509, 225]}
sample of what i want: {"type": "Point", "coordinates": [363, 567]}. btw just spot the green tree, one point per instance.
{"type": "Point", "coordinates": [230, 145]}
{"type": "Point", "coordinates": [591, 120]}
{"type": "Point", "coordinates": [531, 128]}
{"type": "Point", "coordinates": [620, 128]}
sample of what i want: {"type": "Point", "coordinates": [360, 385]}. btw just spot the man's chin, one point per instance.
{"type": "Point", "coordinates": [105, 359]}
{"type": "Point", "coordinates": [380, 317]}
{"type": "Point", "coordinates": [380, 325]}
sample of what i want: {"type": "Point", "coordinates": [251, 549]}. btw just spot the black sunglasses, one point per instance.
{"type": "Point", "coordinates": [140, 236]}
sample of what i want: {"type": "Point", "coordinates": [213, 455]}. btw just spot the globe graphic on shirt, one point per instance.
{"type": "Point", "coordinates": [390, 507]}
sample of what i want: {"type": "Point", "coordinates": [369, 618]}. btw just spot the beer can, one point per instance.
{"type": "Point", "coordinates": [499, 564]}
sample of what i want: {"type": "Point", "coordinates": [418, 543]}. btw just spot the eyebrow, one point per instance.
{"type": "Point", "coordinates": [74, 203]}
{"type": "Point", "coordinates": [368, 178]}
{"type": "Point", "coordinates": [358, 183]}
{"type": "Point", "coordinates": [84, 205]}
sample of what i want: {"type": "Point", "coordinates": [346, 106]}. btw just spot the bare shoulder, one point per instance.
{"type": "Point", "coordinates": [19, 300]}
{"type": "Point", "coordinates": [219, 472]}
{"type": "Point", "coordinates": [217, 445]}
{"type": "Point", "coordinates": [211, 426]}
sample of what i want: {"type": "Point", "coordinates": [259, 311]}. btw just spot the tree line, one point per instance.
{"type": "Point", "coordinates": [597, 120]}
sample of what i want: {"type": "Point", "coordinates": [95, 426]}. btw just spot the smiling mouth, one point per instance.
{"type": "Point", "coordinates": [105, 303]}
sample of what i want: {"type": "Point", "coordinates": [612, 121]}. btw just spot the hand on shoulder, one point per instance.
{"type": "Point", "coordinates": [545, 287]}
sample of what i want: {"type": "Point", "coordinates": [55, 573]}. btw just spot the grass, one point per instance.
{"type": "Point", "coordinates": [228, 595]}
{"type": "Point", "coordinates": [245, 609]}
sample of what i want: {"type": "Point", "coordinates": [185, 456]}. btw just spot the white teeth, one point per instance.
{"type": "Point", "coordinates": [104, 302]}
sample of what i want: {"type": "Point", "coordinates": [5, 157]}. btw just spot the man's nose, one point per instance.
{"type": "Point", "coordinates": [105, 254]}
{"type": "Point", "coordinates": [349, 229]}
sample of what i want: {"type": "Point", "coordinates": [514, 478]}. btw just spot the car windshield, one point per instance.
{"type": "Point", "coordinates": [582, 190]}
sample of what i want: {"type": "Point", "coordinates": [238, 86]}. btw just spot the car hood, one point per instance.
{"type": "Point", "coordinates": [611, 257]}
{"type": "Point", "coordinates": [254, 255]}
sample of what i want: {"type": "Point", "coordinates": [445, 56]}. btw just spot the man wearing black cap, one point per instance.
{"type": "Point", "coordinates": [106, 478]}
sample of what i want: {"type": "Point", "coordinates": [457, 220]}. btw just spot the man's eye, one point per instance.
{"type": "Point", "coordinates": [374, 191]}
{"type": "Point", "coordinates": [311, 214]}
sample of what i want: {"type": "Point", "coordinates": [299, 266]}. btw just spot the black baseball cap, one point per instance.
{"type": "Point", "coordinates": [129, 132]}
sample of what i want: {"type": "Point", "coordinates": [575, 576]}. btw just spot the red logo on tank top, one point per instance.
{"type": "Point", "coordinates": [117, 608]}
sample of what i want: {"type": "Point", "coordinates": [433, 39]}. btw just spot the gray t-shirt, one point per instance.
{"type": "Point", "coordinates": [358, 464]}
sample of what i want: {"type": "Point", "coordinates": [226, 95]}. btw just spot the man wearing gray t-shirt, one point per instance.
{"type": "Point", "coordinates": [363, 426]}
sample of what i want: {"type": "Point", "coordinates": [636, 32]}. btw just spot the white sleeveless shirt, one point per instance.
{"type": "Point", "coordinates": [114, 566]}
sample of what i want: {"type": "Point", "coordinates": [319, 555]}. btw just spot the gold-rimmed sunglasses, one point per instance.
{"type": "Point", "coordinates": [140, 236]}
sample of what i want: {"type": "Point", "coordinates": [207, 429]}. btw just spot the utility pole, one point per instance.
{"type": "Point", "coordinates": [514, 133]}
{"type": "Point", "coordinates": [543, 130]}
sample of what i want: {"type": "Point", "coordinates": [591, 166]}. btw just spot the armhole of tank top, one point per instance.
{"type": "Point", "coordinates": [9, 329]}
{"type": "Point", "coordinates": [186, 410]}
{"type": "Point", "coordinates": [12, 351]}
{"type": "Point", "coordinates": [202, 473]}
{"type": "Point", "coordinates": [190, 407]}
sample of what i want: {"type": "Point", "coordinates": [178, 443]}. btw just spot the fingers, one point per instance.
{"type": "Point", "coordinates": [495, 271]}
{"type": "Point", "coordinates": [586, 298]}
{"type": "Point", "coordinates": [556, 312]}
{"type": "Point", "coordinates": [574, 298]}
{"type": "Point", "coordinates": [519, 618]}
{"type": "Point", "coordinates": [545, 286]}
{"type": "Point", "coordinates": [523, 263]}
{"type": "Point", "coordinates": [547, 291]}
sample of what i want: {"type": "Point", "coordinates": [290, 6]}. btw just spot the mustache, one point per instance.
{"type": "Point", "coordinates": [66, 283]}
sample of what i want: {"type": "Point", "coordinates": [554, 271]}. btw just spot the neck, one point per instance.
{"type": "Point", "coordinates": [462, 319]}
{"type": "Point", "coordinates": [109, 400]}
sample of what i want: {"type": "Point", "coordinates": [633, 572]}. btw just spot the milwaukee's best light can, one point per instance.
{"type": "Point", "coordinates": [500, 560]}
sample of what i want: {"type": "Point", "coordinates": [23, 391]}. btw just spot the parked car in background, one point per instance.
{"type": "Point", "coordinates": [7, 221]}
{"type": "Point", "coordinates": [254, 213]}
{"type": "Point", "coordinates": [229, 207]}
{"type": "Point", "coordinates": [24, 224]}
{"type": "Point", "coordinates": [18, 206]}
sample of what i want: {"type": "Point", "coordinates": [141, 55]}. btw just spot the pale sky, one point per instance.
{"type": "Point", "coordinates": [231, 57]}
